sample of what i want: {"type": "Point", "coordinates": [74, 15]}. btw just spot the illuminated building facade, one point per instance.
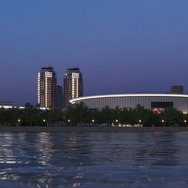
{"type": "Point", "coordinates": [47, 82]}
{"type": "Point", "coordinates": [6, 104]}
{"type": "Point", "coordinates": [73, 85]}
{"type": "Point", "coordinates": [149, 101]}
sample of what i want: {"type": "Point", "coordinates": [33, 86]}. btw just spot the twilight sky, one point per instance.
{"type": "Point", "coordinates": [121, 46]}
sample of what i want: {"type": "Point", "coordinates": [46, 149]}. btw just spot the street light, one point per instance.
{"type": "Point", "coordinates": [185, 121]}
{"type": "Point", "coordinates": [19, 122]}
{"type": "Point", "coordinates": [44, 120]}
{"type": "Point", "coordinates": [140, 121]}
{"type": "Point", "coordinates": [116, 122]}
{"type": "Point", "coordinates": [93, 120]}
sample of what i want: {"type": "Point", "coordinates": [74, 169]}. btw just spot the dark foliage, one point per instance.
{"type": "Point", "coordinates": [80, 114]}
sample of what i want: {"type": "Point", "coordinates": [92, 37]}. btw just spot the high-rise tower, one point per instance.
{"type": "Point", "coordinates": [47, 87]}
{"type": "Point", "coordinates": [59, 97]}
{"type": "Point", "coordinates": [73, 85]}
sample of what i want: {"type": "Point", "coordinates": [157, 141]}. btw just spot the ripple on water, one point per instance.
{"type": "Point", "coordinates": [94, 160]}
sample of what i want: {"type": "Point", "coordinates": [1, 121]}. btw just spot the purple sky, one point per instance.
{"type": "Point", "coordinates": [121, 46]}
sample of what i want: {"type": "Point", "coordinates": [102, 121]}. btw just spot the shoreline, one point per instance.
{"type": "Point", "coordinates": [93, 129]}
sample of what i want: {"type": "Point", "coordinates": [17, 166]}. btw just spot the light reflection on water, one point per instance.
{"type": "Point", "coordinates": [153, 159]}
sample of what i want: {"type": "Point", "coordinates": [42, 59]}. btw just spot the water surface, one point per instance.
{"type": "Point", "coordinates": [94, 159]}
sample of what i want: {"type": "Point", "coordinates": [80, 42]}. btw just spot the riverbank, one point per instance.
{"type": "Point", "coordinates": [93, 129]}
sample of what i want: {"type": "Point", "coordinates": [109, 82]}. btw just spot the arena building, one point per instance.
{"type": "Point", "coordinates": [156, 102]}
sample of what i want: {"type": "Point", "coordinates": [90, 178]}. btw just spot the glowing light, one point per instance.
{"type": "Point", "coordinates": [72, 101]}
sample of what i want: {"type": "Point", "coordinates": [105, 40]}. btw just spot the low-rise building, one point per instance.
{"type": "Point", "coordinates": [149, 101]}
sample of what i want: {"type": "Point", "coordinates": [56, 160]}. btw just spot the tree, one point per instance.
{"type": "Point", "coordinates": [171, 116]}
{"type": "Point", "coordinates": [106, 115]}
{"type": "Point", "coordinates": [53, 115]}
{"type": "Point", "coordinates": [78, 113]}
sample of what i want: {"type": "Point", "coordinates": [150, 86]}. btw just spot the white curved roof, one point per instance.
{"type": "Point", "coordinates": [72, 101]}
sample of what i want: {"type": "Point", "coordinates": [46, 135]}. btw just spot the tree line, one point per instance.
{"type": "Point", "coordinates": [29, 116]}
{"type": "Point", "coordinates": [80, 114]}
{"type": "Point", "coordinates": [123, 116]}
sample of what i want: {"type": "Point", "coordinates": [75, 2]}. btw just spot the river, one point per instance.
{"type": "Point", "coordinates": [93, 159]}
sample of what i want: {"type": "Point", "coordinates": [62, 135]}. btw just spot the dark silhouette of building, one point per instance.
{"type": "Point", "coordinates": [59, 97]}
{"type": "Point", "coordinates": [177, 89]}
